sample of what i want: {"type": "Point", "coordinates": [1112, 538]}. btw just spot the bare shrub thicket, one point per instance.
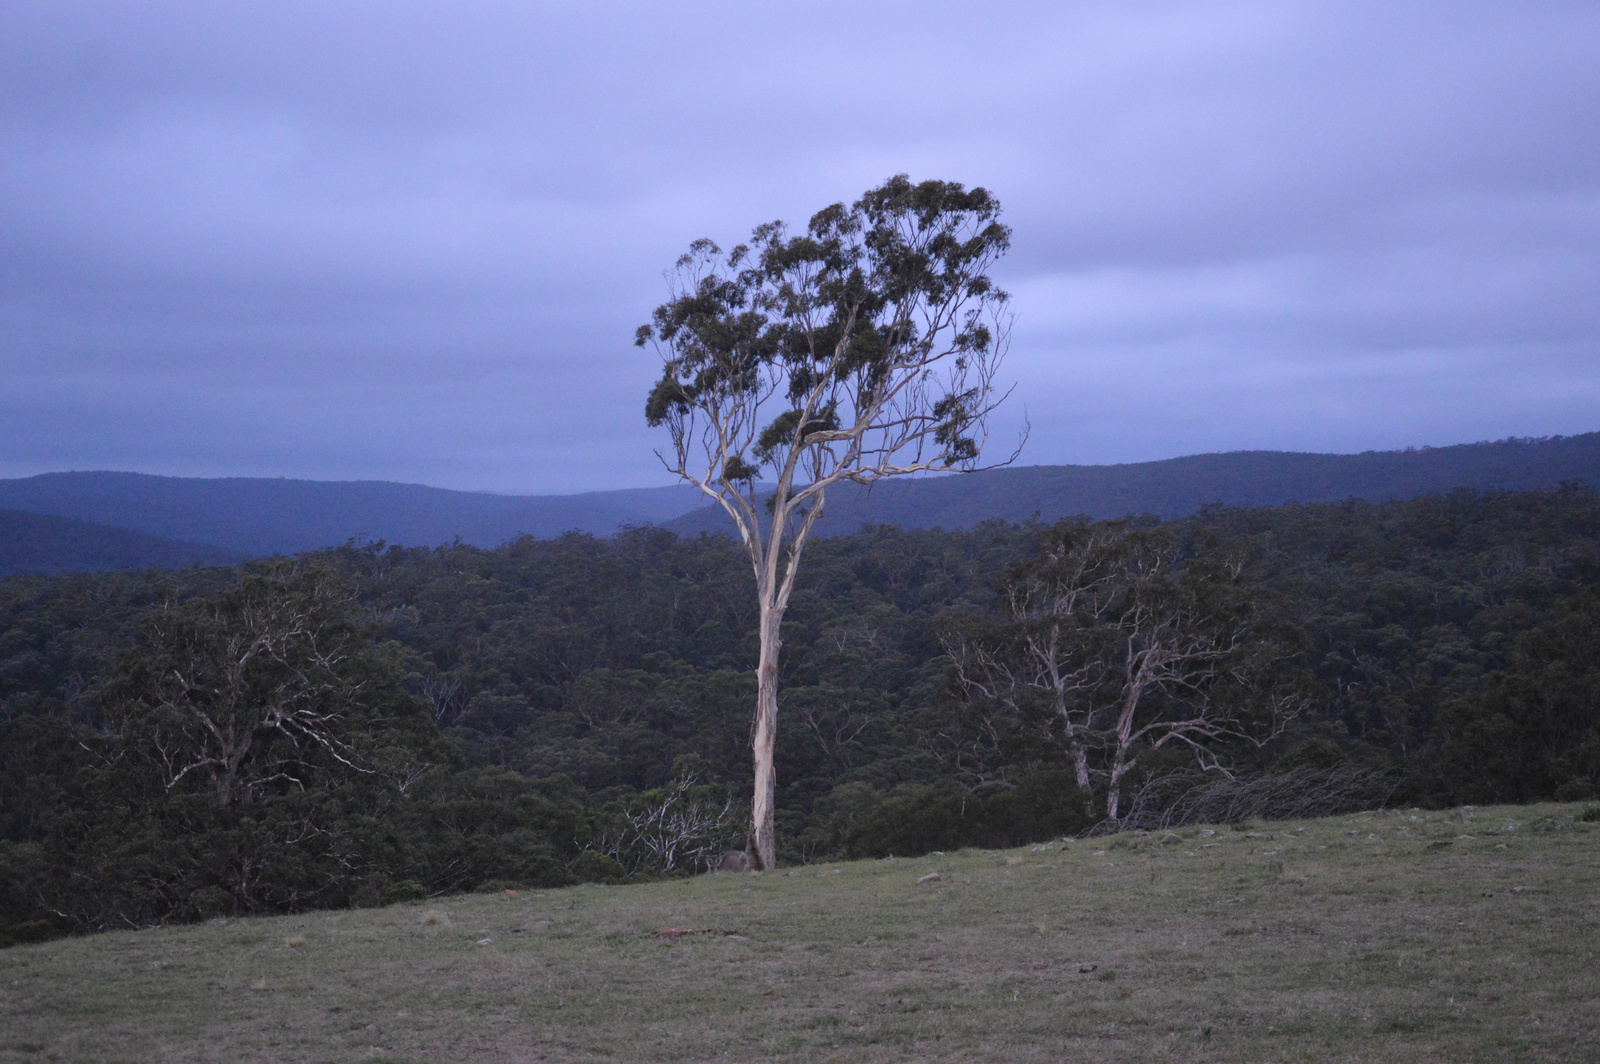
{"type": "Point", "coordinates": [684, 825]}
{"type": "Point", "coordinates": [1178, 799]}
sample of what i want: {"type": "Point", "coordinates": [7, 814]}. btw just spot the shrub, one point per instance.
{"type": "Point", "coordinates": [405, 890]}
{"type": "Point", "coordinates": [29, 931]}
{"type": "Point", "coordinates": [592, 867]}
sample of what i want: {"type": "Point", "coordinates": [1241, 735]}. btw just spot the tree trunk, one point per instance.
{"type": "Point", "coordinates": [1080, 765]}
{"type": "Point", "coordinates": [762, 842]}
{"type": "Point", "coordinates": [1120, 763]}
{"type": "Point", "coordinates": [1114, 791]}
{"type": "Point", "coordinates": [227, 771]}
{"type": "Point", "coordinates": [1075, 747]}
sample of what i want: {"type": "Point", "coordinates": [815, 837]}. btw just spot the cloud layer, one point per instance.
{"type": "Point", "coordinates": [410, 241]}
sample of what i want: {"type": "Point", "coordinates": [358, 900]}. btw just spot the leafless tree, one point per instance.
{"type": "Point", "coordinates": [835, 732]}
{"type": "Point", "coordinates": [1055, 647]}
{"type": "Point", "coordinates": [443, 692]}
{"type": "Point", "coordinates": [1118, 641]}
{"type": "Point", "coordinates": [866, 347]}
{"type": "Point", "coordinates": [675, 827]}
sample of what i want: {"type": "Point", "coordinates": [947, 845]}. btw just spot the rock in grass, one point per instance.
{"type": "Point", "coordinates": [732, 861]}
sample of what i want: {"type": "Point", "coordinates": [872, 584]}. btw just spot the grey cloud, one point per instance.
{"type": "Point", "coordinates": [411, 240]}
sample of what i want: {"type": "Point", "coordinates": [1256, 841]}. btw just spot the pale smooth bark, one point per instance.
{"type": "Point", "coordinates": [763, 842]}
{"type": "Point", "coordinates": [774, 584]}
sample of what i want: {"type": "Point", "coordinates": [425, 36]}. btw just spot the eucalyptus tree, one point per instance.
{"type": "Point", "coordinates": [865, 347]}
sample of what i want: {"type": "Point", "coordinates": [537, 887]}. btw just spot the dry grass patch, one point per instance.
{"type": "Point", "coordinates": [1461, 936]}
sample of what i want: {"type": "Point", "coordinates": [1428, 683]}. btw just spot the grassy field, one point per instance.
{"type": "Point", "coordinates": [1468, 935]}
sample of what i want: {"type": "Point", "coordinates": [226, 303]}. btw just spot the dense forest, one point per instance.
{"type": "Point", "coordinates": [365, 724]}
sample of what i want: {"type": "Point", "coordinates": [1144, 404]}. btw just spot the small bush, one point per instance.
{"type": "Point", "coordinates": [209, 901]}
{"type": "Point", "coordinates": [592, 867]}
{"type": "Point", "coordinates": [1045, 805]}
{"type": "Point", "coordinates": [405, 890]}
{"type": "Point", "coordinates": [28, 932]}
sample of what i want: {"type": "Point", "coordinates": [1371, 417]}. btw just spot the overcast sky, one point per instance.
{"type": "Point", "coordinates": [411, 241]}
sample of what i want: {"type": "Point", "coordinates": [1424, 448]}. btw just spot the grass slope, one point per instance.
{"type": "Point", "coordinates": [1461, 936]}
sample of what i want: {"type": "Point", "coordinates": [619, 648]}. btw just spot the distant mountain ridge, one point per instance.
{"type": "Point", "coordinates": [259, 516]}
{"type": "Point", "coordinates": [39, 543]}
{"type": "Point", "coordinates": [1176, 487]}
{"type": "Point", "coordinates": [248, 517]}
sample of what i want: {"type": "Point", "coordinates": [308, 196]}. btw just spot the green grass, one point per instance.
{"type": "Point", "coordinates": [1468, 935]}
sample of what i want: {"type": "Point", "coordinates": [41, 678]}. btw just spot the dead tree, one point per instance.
{"type": "Point", "coordinates": [1119, 640]}
{"type": "Point", "coordinates": [681, 825]}
{"type": "Point", "coordinates": [1053, 648]}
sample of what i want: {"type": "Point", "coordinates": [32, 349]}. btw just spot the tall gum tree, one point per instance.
{"type": "Point", "coordinates": [865, 347]}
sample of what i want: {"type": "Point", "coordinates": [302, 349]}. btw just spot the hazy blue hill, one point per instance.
{"type": "Point", "coordinates": [257, 516]}
{"type": "Point", "coordinates": [254, 516]}
{"type": "Point", "coordinates": [1180, 486]}
{"type": "Point", "coordinates": [38, 543]}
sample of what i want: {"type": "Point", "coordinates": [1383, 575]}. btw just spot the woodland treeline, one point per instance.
{"type": "Point", "coordinates": [367, 724]}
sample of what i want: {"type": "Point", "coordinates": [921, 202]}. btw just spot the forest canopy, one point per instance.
{"type": "Point", "coordinates": [455, 719]}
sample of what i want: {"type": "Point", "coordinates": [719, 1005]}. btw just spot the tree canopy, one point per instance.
{"type": "Point", "coordinates": [557, 697]}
